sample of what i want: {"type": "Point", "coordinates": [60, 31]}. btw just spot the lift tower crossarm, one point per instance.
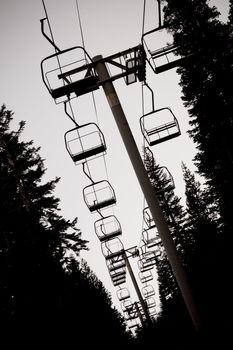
{"type": "Point", "coordinates": [110, 59]}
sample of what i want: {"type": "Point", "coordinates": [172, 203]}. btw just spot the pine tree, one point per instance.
{"type": "Point", "coordinates": [89, 309]}
{"type": "Point", "coordinates": [46, 295]}
{"type": "Point", "coordinates": [207, 262]}
{"type": "Point", "coordinates": [176, 217]}
{"type": "Point", "coordinates": [205, 85]}
{"type": "Point", "coordinates": [34, 237]}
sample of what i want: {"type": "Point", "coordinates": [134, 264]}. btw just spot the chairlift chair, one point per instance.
{"type": "Point", "coordinates": [123, 294]}
{"type": "Point", "coordinates": [151, 237]}
{"type": "Point", "coordinates": [107, 228]}
{"type": "Point", "coordinates": [163, 57]}
{"type": "Point", "coordinates": [151, 256]}
{"type": "Point", "coordinates": [145, 276]}
{"type": "Point", "coordinates": [112, 248]}
{"type": "Point", "coordinates": [150, 302]}
{"type": "Point", "coordinates": [69, 73]}
{"type": "Point", "coordinates": [118, 280]}
{"type": "Point", "coordinates": [84, 141]}
{"type": "Point", "coordinates": [99, 195]}
{"type": "Point", "coordinates": [159, 126]}
{"type": "Point", "coordinates": [115, 265]}
{"type": "Point", "coordinates": [148, 218]}
{"type": "Point", "coordinates": [148, 291]}
{"type": "Point", "coordinates": [133, 323]}
{"type": "Point", "coordinates": [152, 311]}
{"type": "Point", "coordinates": [119, 272]}
{"type": "Point", "coordinates": [127, 305]}
{"type": "Point", "coordinates": [144, 267]}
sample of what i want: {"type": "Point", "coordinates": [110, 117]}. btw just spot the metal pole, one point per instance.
{"type": "Point", "coordinates": [147, 188]}
{"type": "Point", "coordinates": [144, 307]}
{"type": "Point", "coordinates": [159, 13]}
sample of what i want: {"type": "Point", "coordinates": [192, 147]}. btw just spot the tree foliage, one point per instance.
{"type": "Point", "coordinates": [46, 294]}
{"type": "Point", "coordinates": [205, 85]}
{"type": "Point", "coordinates": [206, 92]}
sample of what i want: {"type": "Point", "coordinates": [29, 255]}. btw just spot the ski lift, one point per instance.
{"type": "Point", "coordinates": [148, 217]}
{"type": "Point", "coordinates": [141, 247]}
{"type": "Point", "coordinates": [151, 237]}
{"type": "Point", "coordinates": [112, 248]}
{"type": "Point", "coordinates": [118, 277]}
{"type": "Point", "coordinates": [119, 281]}
{"type": "Point", "coordinates": [159, 126]}
{"type": "Point", "coordinates": [145, 276]}
{"type": "Point", "coordinates": [150, 302]}
{"type": "Point", "coordinates": [133, 323]}
{"type": "Point", "coordinates": [145, 266]}
{"type": "Point", "coordinates": [148, 291]}
{"type": "Point", "coordinates": [107, 228]}
{"type": "Point", "coordinates": [122, 294]}
{"type": "Point", "coordinates": [115, 262]}
{"type": "Point", "coordinates": [99, 195]}
{"type": "Point", "coordinates": [69, 73]}
{"type": "Point", "coordinates": [113, 265]}
{"type": "Point", "coordinates": [152, 311]}
{"type": "Point", "coordinates": [164, 56]}
{"type": "Point", "coordinates": [119, 273]}
{"type": "Point", "coordinates": [152, 255]}
{"type": "Point", "coordinates": [84, 141]}
{"type": "Point", "coordinates": [127, 305]}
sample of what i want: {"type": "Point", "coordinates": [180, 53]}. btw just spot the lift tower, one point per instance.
{"type": "Point", "coordinates": [147, 189]}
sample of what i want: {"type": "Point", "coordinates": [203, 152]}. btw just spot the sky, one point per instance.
{"type": "Point", "coordinates": [108, 27]}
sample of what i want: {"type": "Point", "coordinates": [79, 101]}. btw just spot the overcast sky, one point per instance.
{"type": "Point", "coordinates": [109, 27]}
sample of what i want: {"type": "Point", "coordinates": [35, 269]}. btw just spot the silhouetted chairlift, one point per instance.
{"type": "Point", "coordinates": [159, 126]}
{"type": "Point", "coordinates": [127, 305]}
{"type": "Point", "coordinates": [116, 261]}
{"type": "Point", "coordinates": [150, 302]}
{"type": "Point", "coordinates": [145, 276]}
{"type": "Point", "coordinates": [112, 248]}
{"type": "Point", "coordinates": [148, 291]}
{"type": "Point", "coordinates": [99, 195]}
{"type": "Point", "coordinates": [152, 311]}
{"type": "Point", "coordinates": [151, 237]}
{"type": "Point", "coordinates": [67, 74]}
{"type": "Point", "coordinates": [142, 247]}
{"type": "Point", "coordinates": [133, 323]}
{"type": "Point", "coordinates": [119, 277]}
{"type": "Point", "coordinates": [145, 266]}
{"type": "Point", "coordinates": [164, 56]}
{"type": "Point", "coordinates": [84, 141]}
{"type": "Point", "coordinates": [147, 261]}
{"type": "Point", "coordinates": [123, 294]}
{"type": "Point", "coordinates": [107, 228]}
{"type": "Point", "coordinates": [151, 256]}
{"type": "Point", "coordinates": [119, 282]}
{"type": "Point", "coordinates": [148, 217]}
{"type": "Point", "coordinates": [118, 273]}
{"type": "Point", "coordinates": [113, 264]}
